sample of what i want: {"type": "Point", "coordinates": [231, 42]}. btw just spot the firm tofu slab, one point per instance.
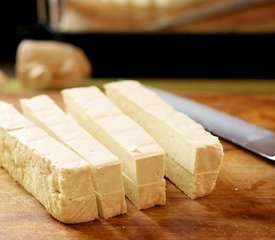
{"type": "Point", "coordinates": [145, 196]}
{"type": "Point", "coordinates": [182, 138]}
{"type": "Point", "coordinates": [106, 167]}
{"type": "Point", "coordinates": [142, 158]}
{"type": "Point", "coordinates": [57, 177]}
{"type": "Point", "coordinates": [193, 185]}
{"type": "Point", "coordinates": [197, 154]}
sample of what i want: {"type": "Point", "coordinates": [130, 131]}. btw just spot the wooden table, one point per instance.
{"type": "Point", "coordinates": [242, 206]}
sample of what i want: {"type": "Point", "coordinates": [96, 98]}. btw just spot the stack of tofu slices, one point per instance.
{"type": "Point", "coordinates": [81, 164]}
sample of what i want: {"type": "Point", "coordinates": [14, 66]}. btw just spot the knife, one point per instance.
{"type": "Point", "coordinates": [255, 139]}
{"type": "Point", "coordinates": [206, 12]}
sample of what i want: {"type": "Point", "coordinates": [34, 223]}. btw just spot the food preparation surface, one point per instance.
{"type": "Point", "coordinates": [242, 206]}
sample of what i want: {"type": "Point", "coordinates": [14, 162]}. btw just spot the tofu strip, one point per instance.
{"type": "Point", "coordinates": [57, 177]}
{"type": "Point", "coordinates": [106, 167]}
{"type": "Point", "coordinates": [142, 158]}
{"type": "Point", "coordinates": [194, 155]}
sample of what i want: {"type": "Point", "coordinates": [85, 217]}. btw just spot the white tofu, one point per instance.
{"type": "Point", "coordinates": [193, 185]}
{"type": "Point", "coordinates": [184, 140]}
{"type": "Point", "coordinates": [142, 158]}
{"type": "Point", "coordinates": [147, 195]}
{"type": "Point", "coordinates": [111, 204]}
{"type": "Point", "coordinates": [57, 177]}
{"type": "Point", "coordinates": [106, 167]}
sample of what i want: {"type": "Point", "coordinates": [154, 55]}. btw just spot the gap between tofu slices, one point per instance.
{"type": "Point", "coordinates": [142, 158]}
{"type": "Point", "coordinates": [106, 167]}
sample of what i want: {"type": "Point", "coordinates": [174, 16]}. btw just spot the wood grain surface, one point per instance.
{"type": "Point", "coordinates": [242, 206]}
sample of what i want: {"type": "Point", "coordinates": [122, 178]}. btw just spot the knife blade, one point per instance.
{"type": "Point", "coordinates": [253, 138]}
{"type": "Point", "coordinates": [211, 10]}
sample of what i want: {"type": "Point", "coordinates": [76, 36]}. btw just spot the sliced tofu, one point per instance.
{"type": "Point", "coordinates": [185, 141]}
{"type": "Point", "coordinates": [147, 195]}
{"type": "Point", "coordinates": [142, 158]}
{"type": "Point", "coordinates": [57, 177]}
{"type": "Point", "coordinates": [106, 167]}
{"type": "Point", "coordinates": [193, 185]}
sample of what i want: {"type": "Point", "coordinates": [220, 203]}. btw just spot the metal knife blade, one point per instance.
{"type": "Point", "coordinates": [203, 13]}
{"type": "Point", "coordinates": [258, 140]}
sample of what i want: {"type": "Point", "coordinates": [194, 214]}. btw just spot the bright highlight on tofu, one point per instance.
{"type": "Point", "coordinates": [142, 158]}
{"type": "Point", "coordinates": [194, 156]}
{"type": "Point", "coordinates": [56, 176]}
{"type": "Point", "coordinates": [106, 167]}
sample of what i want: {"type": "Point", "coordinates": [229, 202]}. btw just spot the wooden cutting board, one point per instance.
{"type": "Point", "coordinates": [242, 206]}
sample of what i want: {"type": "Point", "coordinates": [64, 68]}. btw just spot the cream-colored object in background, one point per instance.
{"type": "Point", "coordinates": [107, 172]}
{"type": "Point", "coordinates": [57, 177]}
{"type": "Point", "coordinates": [51, 64]}
{"type": "Point", "coordinates": [194, 155]}
{"type": "Point", "coordinates": [142, 158]}
{"type": "Point", "coordinates": [113, 15]}
{"type": "Point", "coordinates": [3, 78]}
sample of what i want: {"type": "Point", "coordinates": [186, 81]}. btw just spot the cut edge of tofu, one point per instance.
{"type": "Point", "coordinates": [193, 185]}
{"type": "Point", "coordinates": [147, 195]}
{"type": "Point", "coordinates": [111, 204]}
{"type": "Point", "coordinates": [22, 159]}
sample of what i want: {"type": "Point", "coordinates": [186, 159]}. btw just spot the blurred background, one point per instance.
{"type": "Point", "coordinates": [160, 39]}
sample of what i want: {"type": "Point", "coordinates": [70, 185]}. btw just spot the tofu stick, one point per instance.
{"type": "Point", "coordinates": [142, 158]}
{"type": "Point", "coordinates": [194, 155]}
{"type": "Point", "coordinates": [57, 177]}
{"type": "Point", "coordinates": [106, 167]}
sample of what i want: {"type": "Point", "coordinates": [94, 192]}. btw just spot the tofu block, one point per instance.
{"type": "Point", "coordinates": [193, 185]}
{"type": "Point", "coordinates": [145, 196]}
{"type": "Point", "coordinates": [142, 158]}
{"type": "Point", "coordinates": [106, 167]}
{"type": "Point", "coordinates": [57, 177]}
{"type": "Point", "coordinates": [184, 141]}
{"type": "Point", "coordinates": [111, 204]}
